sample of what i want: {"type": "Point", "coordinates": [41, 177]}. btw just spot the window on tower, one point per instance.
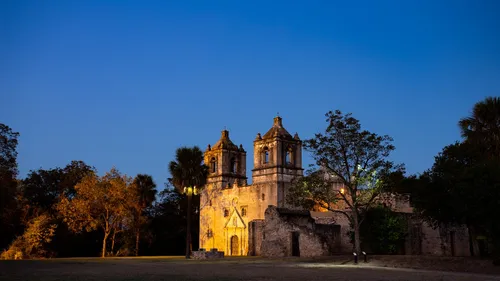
{"type": "Point", "coordinates": [233, 165]}
{"type": "Point", "coordinates": [213, 165]}
{"type": "Point", "coordinates": [265, 155]}
{"type": "Point", "coordinates": [288, 156]}
{"type": "Point", "coordinates": [226, 212]}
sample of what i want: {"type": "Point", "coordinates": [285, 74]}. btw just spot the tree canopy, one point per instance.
{"type": "Point", "coordinates": [99, 203]}
{"type": "Point", "coordinates": [353, 159]}
{"type": "Point", "coordinates": [8, 183]}
{"type": "Point", "coordinates": [188, 168]}
{"type": "Point", "coordinates": [463, 185]}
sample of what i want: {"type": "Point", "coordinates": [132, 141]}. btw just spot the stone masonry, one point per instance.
{"type": "Point", "coordinates": [295, 233]}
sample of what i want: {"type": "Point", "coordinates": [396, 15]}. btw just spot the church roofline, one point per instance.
{"type": "Point", "coordinates": [225, 143]}
{"type": "Point", "coordinates": [277, 130]}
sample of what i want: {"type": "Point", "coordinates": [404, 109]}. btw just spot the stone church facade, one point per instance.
{"type": "Point", "coordinates": [228, 204]}
{"type": "Point", "coordinates": [240, 219]}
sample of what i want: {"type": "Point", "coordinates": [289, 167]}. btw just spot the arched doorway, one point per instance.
{"type": "Point", "coordinates": [235, 247]}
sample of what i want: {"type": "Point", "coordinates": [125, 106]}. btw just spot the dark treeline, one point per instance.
{"type": "Point", "coordinates": [72, 212]}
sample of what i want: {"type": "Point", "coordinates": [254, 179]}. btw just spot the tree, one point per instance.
{"type": "Point", "coordinates": [188, 171]}
{"type": "Point", "coordinates": [40, 192]}
{"type": "Point", "coordinates": [482, 128]}
{"type": "Point", "coordinates": [8, 153]}
{"type": "Point", "coordinates": [460, 188]}
{"type": "Point", "coordinates": [98, 203]}
{"type": "Point", "coordinates": [481, 133]}
{"type": "Point", "coordinates": [384, 230]}
{"type": "Point", "coordinates": [463, 185]}
{"type": "Point", "coordinates": [42, 188]}
{"type": "Point", "coordinates": [168, 223]}
{"type": "Point", "coordinates": [356, 159]}
{"type": "Point", "coordinates": [33, 243]}
{"type": "Point", "coordinates": [8, 183]}
{"type": "Point", "coordinates": [144, 194]}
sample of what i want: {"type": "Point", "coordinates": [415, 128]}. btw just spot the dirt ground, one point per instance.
{"type": "Point", "coordinates": [176, 268]}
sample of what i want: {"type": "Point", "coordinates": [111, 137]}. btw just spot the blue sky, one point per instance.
{"type": "Point", "coordinates": [124, 83]}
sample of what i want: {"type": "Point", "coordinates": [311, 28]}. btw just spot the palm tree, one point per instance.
{"type": "Point", "coordinates": [483, 126]}
{"type": "Point", "coordinates": [188, 171]}
{"type": "Point", "coordinates": [145, 195]}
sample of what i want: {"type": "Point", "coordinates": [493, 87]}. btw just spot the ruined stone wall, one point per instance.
{"type": "Point", "coordinates": [445, 240]}
{"type": "Point", "coordinates": [255, 236]}
{"type": "Point", "coordinates": [312, 240]}
{"type": "Point", "coordinates": [422, 239]}
{"type": "Point", "coordinates": [345, 245]}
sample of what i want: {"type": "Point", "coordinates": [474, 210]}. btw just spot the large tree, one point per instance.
{"type": "Point", "coordinates": [144, 194]}
{"type": "Point", "coordinates": [99, 203]}
{"type": "Point", "coordinates": [188, 171]}
{"type": "Point", "coordinates": [463, 185]}
{"type": "Point", "coordinates": [40, 193]}
{"type": "Point", "coordinates": [8, 183]}
{"type": "Point", "coordinates": [355, 159]}
{"type": "Point", "coordinates": [41, 188]}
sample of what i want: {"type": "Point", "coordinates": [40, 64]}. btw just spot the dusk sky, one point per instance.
{"type": "Point", "coordinates": [125, 83]}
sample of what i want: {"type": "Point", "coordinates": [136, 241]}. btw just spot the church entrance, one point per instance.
{"type": "Point", "coordinates": [235, 247]}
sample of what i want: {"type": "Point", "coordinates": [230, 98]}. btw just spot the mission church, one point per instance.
{"type": "Point", "coordinates": [228, 204]}
{"type": "Point", "coordinates": [240, 219]}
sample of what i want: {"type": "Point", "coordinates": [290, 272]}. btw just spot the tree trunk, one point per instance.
{"type": "Point", "coordinates": [106, 234]}
{"type": "Point", "coordinates": [471, 240]}
{"type": "Point", "coordinates": [188, 230]}
{"type": "Point", "coordinates": [113, 242]}
{"type": "Point", "coordinates": [137, 236]}
{"type": "Point", "coordinates": [357, 242]}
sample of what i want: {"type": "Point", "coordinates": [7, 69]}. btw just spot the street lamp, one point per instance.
{"type": "Point", "coordinates": [189, 191]}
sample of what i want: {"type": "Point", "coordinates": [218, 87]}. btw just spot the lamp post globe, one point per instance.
{"type": "Point", "coordinates": [189, 191]}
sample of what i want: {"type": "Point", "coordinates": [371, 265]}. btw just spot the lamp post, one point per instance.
{"type": "Point", "coordinates": [189, 191]}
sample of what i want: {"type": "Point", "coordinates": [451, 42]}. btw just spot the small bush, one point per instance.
{"type": "Point", "coordinates": [383, 231]}
{"type": "Point", "coordinates": [34, 241]}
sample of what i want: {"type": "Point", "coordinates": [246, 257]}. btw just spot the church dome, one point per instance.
{"type": "Point", "coordinates": [277, 130]}
{"type": "Point", "coordinates": [224, 142]}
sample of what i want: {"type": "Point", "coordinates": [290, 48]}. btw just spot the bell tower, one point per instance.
{"type": "Point", "coordinates": [277, 161]}
{"type": "Point", "coordinates": [226, 163]}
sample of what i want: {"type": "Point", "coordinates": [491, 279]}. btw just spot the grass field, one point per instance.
{"type": "Point", "coordinates": [244, 268]}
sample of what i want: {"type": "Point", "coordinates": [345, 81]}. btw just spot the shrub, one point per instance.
{"type": "Point", "coordinates": [383, 231]}
{"type": "Point", "coordinates": [34, 241]}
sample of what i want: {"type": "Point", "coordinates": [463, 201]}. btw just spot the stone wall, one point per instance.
{"type": "Point", "coordinates": [313, 239]}
{"type": "Point", "coordinates": [422, 238]}
{"type": "Point", "coordinates": [345, 245]}
{"type": "Point", "coordinates": [255, 235]}
{"type": "Point", "coordinates": [445, 240]}
{"type": "Point", "coordinates": [203, 255]}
